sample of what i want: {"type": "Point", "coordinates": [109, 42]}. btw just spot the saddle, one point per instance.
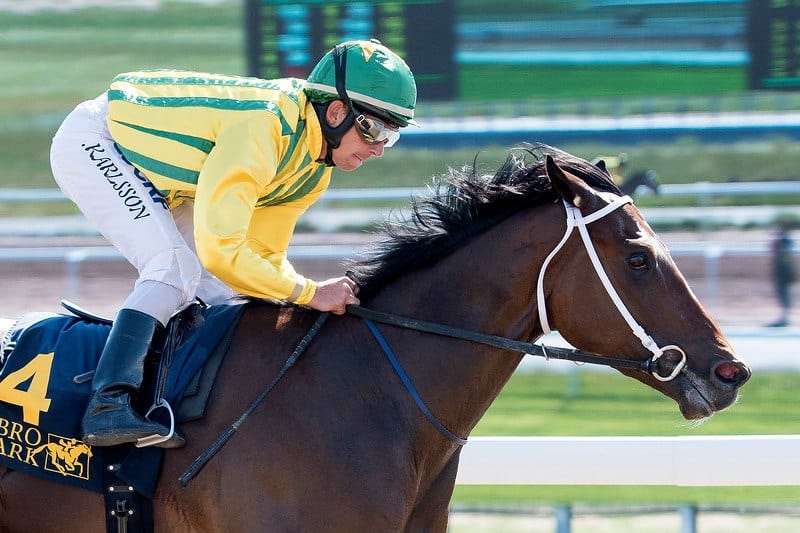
{"type": "Point", "coordinates": [46, 365]}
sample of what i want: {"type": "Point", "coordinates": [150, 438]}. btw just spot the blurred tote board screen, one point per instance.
{"type": "Point", "coordinates": [773, 35]}
{"type": "Point", "coordinates": [287, 38]}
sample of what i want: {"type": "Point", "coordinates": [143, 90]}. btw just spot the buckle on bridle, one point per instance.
{"type": "Point", "coordinates": [675, 371]}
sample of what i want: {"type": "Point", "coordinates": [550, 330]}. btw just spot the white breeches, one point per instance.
{"type": "Point", "coordinates": [130, 213]}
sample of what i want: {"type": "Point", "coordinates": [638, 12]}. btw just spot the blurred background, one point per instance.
{"type": "Point", "coordinates": [693, 104]}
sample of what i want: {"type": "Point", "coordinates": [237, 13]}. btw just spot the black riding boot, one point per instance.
{"type": "Point", "coordinates": [109, 418]}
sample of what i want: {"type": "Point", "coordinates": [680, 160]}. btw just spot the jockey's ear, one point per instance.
{"type": "Point", "coordinates": [336, 113]}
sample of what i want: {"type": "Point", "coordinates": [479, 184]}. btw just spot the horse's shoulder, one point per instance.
{"type": "Point", "coordinates": [277, 318]}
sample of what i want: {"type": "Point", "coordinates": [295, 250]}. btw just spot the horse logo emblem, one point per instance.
{"type": "Point", "coordinates": [65, 456]}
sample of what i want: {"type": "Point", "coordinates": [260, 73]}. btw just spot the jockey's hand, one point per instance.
{"type": "Point", "coordinates": [334, 294]}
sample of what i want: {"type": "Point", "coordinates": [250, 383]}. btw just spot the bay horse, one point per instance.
{"type": "Point", "coordinates": [545, 243]}
{"type": "Point", "coordinates": [644, 179]}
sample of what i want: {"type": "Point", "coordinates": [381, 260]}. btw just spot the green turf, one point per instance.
{"type": "Point", "coordinates": [50, 62]}
{"type": "Point", "coordinates": [597, 81]}
{"type": "Point", "coordinates": [54, 60]}
{"type": "Point", "coordinates": [541, 403]}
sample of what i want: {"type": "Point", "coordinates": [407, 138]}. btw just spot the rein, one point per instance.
{"type": "Point", "coordinates": [197, 465]}
{"type": "Point", "coordinates": [529, 348]}
{"type": "Point", "coordinates": [574, 220]}
{"type": "Point", "coordinates": [548, 352]}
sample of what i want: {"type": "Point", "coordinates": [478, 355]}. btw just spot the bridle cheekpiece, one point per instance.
{"type": "Point", "coordinates": [575, 219]}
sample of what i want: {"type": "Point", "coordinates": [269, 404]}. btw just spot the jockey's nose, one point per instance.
{"type": "Point", "coordinates": [377, 149]}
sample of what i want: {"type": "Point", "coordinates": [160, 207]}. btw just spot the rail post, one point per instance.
{"type": "Point", "coordinates": [563, 515]}
{"type": "Point", "coordinates": [688, 518]}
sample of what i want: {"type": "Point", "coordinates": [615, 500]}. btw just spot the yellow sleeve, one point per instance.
{"type": "Point", "coordinates": [242, 162]}
{"type": "Point", "coordinates": [271, 228]}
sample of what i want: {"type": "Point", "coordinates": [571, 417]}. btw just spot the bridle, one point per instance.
{"type": "Point", "coordinates": [575, 219]}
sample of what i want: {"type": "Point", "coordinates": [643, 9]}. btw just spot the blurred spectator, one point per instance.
{"type": "Point", "coordinates": [783, 273]}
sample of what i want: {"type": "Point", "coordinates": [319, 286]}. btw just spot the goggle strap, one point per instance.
{"type": "Point", "coordinates": [382, 114]}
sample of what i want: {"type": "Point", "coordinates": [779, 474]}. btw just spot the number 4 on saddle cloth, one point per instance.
{"type": "Point", "coordinates": [46, 364]}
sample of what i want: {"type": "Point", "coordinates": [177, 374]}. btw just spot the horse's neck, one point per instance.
{"type": "Point", "coordinates": [488, 286]}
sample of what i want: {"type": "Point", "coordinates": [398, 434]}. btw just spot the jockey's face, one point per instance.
{"type": "Point", "coordinates": [353, 149]}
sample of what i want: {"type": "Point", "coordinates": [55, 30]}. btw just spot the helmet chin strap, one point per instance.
{"type": "Point", "coordinates": [333, 134]}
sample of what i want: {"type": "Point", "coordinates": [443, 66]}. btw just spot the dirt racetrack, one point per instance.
{"type": "Point", "coordinates": [742, 296]}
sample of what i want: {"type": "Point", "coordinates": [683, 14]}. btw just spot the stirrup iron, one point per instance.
{"type": "Point", "coordinates": [155, 439]}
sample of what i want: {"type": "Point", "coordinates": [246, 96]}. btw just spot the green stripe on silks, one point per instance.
{"type": "Point", "coordinates": [301, 126]}
{"type": "Point", "coordinates": [228, 104]}
{"type": "Point", "coordinates": [301, 189]}
{"type": "Point", "coordinates": [270, 199]}
{"type": "Point", "coordinates": [159, 167]}
{"type": "Point", "coordinates": [217, 81]}
{"type": "Point", "coordinates": [204, 145]}
{"type": "Point", "coordinates": [192, 101]}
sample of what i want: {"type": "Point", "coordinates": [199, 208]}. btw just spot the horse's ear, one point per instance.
{"type": "Point", "coordinates": [601, 164]}
{"type": "Point", "coordinates": [571, 188]}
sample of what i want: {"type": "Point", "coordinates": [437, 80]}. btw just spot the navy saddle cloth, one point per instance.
{"type": "Point", "coordinates": [41, 402]}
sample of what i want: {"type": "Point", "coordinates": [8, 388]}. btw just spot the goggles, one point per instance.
{"type": "Point", "coordinates": [373, 131]}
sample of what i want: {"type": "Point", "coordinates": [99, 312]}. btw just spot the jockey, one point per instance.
{"type": "Point", "coordinates": [199, 179]}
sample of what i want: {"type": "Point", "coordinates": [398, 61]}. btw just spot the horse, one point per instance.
{"type": "Point", "coordinates": [636, 183]}
{"type": "Point", "coordinates": [640, 180]}
{"type": "Point", "coordinates": [546, 243]}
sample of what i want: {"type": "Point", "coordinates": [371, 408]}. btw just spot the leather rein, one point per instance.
{"type": "Point", "coordinates": [529, 348]}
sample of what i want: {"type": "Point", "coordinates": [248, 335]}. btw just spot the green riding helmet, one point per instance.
{"type": "Point", "coordinates": [372, 77]}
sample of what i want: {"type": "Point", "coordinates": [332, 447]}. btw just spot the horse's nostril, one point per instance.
{"type": "Point", "coordinates": [731, 373]}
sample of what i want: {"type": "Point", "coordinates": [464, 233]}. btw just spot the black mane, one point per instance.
{"type": "Point", "coordinates": [462, 204]}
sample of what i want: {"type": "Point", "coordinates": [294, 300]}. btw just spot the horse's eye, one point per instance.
{"type": "Point", "coordinates": [637, 261]}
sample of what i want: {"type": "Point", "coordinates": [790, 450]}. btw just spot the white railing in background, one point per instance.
{"type": "Point", "coordinates": [342, 208]}
{"type": "Point", "coordinates": [698, 189]}
{"type": "Point", "coordinates": [709, 461]}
